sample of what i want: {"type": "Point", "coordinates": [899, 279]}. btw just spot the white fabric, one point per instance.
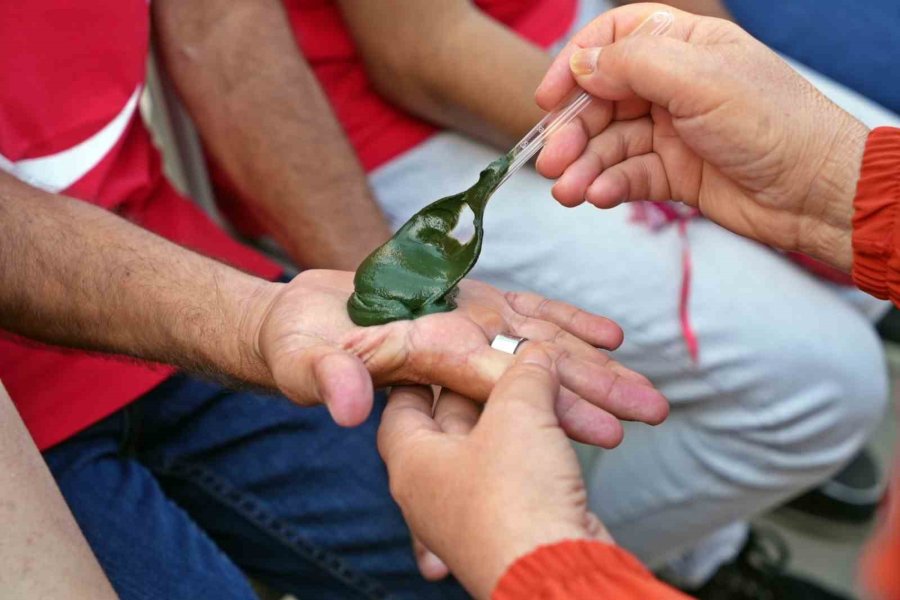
{"type": "Point", "coordinates": [791, 379]}
{"type": "Point", "coordinates": [56, 172]}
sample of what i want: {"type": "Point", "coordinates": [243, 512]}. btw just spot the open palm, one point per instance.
{"type": "Point", "coordinates": [317, 355]}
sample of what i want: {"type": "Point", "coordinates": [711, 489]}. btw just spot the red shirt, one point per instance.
{"type": "Point", "coordinates": [377, 129]}
{"type": "Point", "coordinates": [71, 74]}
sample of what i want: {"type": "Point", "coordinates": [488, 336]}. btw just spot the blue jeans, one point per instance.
{"type": "Point", "coordinates": [192, 486]}
{"type": "Point", "coordinates": [854, 43]}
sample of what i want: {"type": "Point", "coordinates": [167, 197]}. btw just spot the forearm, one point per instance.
{"type": "Point", "coordinates": [451, 64]}
{"type": "Point", "coordinates": [42, 552]}
{"type": "Point", "coordinates": [78, 276]}
{"type": "Point", "coordinates": [264, 118]}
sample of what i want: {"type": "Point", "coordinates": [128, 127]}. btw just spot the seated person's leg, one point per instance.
{"type": "Point", "coordinates": [148, 546]}
{"type": "Point", "coordinates": [294, 500]}
{"type": "Point", "coordinates": [798, 402]}
{"type": "Point", "coordinates": [42, 552]}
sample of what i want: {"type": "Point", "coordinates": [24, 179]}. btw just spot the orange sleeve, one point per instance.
{"type": "Point", "coordinates": [876, 219]}
{"type": "Point", "coordinates": [876, 270]}
{"type": "Point", "coordinates": [881, 562]}
{"type": "Point", "coordinates": [581, 569]}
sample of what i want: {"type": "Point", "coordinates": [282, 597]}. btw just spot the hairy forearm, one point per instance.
{"type": "Point", "coordinates": [42, 552]}
{"type": "Point", "coordinates": [264, 118]}
{"type": "Point", "coordinates": [451, 64]}
{"type": "Point", "coordinates": [75, 275]}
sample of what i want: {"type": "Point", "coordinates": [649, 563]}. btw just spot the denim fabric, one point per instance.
{"type": "Point", "coordinates": [193, 485]}
{"type": "Point", "coordinates": [854, 43]}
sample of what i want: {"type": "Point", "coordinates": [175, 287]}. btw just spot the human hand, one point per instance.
{"type": "Point", "coordinates": [481, 489]}
{"type": "Point", "coordinates": [301, 332]}
{"type": "Point", "coordinates": [708, 116]}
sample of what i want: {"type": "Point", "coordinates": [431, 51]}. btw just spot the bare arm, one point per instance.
{"type": "Point", "coordinates": [42, 552]}
{"type": "Point", "coordinates": [76, 275]}
{"type": "Point", "coordinates": [451, 64]}
{"type": "Point", "coordinates": [262, 115]}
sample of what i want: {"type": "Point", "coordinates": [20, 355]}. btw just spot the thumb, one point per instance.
{"type": "Point", "coordinates": [430, 565]}
{"type": "Point", "coordinates": [326, 375]}
{"type": "Point", "coordinates": [659, 69]}
{"type": "Point", "coordinates": [530, 382]}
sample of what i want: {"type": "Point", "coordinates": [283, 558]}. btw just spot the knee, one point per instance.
{"type": "Point", "coordinates": [835, 394]}
{"type": "Point", "coordinates": [852, 384]}
{"type": "Point", "coordinates": [810, 401]}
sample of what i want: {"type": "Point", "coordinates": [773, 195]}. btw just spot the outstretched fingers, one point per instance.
{"type": "Point", "coordinates": [543, 319]}
{"type": "Point", "coordinates": [613, 388]}
{"type": "Point", "coordinates": [595, 393]}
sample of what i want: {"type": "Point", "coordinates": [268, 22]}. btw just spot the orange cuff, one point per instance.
{"type": "Point", "coordinates": [876, 239]}
{"type": "Point", "coordinates": [576, 569]}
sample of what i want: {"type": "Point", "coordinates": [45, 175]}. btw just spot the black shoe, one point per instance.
{"type": "Point", "coordinates": [851, 496]}
{"type": "Point", "coordinates": [758, 573]}
{"type": "Point", "coordinates": [889, 326]}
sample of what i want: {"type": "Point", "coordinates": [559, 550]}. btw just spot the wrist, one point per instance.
{"type": "Point", "coordinates": [255, 300]}
{"type": "Point", "coordinates": [829, 207]}
{"type": "Point", "coordinates": [523, 539]}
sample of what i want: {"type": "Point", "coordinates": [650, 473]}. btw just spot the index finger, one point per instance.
{"type": "Point", "coordinates": [609, 27]}
{"type": "Point", "coordinates": [581, 327]}
{"type": "Point", "coordinates": [408, 411]}
{"type": "Point", "coordinates": [454, 413]}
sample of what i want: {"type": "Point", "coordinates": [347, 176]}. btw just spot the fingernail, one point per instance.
{"type": "Point", "coordinates": [431, 563]}
{"type": "Point", "coordinates": [535, 356]}
{"type": "Point", "coordinates": [584, 62]}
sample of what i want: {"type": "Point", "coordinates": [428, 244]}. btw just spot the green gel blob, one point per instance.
{"type": "Point", "coordinates": [416, 272]}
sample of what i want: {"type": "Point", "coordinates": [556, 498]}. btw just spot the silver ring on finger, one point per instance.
{"type": "Point", "coordinates": [507, 343]}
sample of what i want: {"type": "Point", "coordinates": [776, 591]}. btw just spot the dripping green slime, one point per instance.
{"type": "Point", "coordinates": [416, 272]}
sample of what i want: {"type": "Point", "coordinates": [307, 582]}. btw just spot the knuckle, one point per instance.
{"type": "Point", "coordinates": [544, 307]}
{"type": "Point", "coordinates": [531, 373]}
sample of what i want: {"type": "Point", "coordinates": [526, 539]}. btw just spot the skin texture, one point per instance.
{"type": "Point", "coordinates": [110, 286]}
{"type": "Point", "coordinates": [483, 487]}
{"type": "Point", "coordinates": [413, 51]}
{"type": "Point", "coordinates": [416, 272]}
{"type": "Point", "coordinates": [708, 116]}
{"type": "Point", "coordinates": [266, 122]}
{"type": "Point", "coordinates": [42, 552]}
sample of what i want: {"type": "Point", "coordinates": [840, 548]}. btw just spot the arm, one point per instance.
{"type": "Point", "coordinates": [42, 552]}
{"type": "Point", "coordinates": [263, 117]}
{"type": "Point", "coordinates": [451, 64]}
{"type": "Point", "coordinates": [75, 275]}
